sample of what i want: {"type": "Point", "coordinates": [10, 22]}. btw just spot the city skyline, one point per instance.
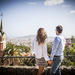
{"type": "Point", "coordinates": [25, 17]}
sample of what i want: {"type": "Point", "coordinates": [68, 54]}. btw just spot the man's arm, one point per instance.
{"type": "Point", "coordinates": [54, 48]}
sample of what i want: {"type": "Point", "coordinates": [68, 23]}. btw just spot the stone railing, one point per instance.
{"type": "Point", "coordinates": [17, 65]}
{"type": "Point", "coordinates": [17, 60]}
{"type": "Point", "coordinates": [21, 60]}
{"type": "Point", "coordinates": [32, 70]}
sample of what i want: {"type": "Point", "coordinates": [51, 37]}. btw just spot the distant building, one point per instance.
{"type": "Point", "coordinates": [73, 39]}
{"type": "Point", "coordinates": [70, 40]}
{"type": "Point", "coordinates": [2, 40]}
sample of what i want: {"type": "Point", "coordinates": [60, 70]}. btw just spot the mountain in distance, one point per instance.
{"type": "Point", "coordinates": [25, 40]}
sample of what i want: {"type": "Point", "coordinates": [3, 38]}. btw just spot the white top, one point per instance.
{"type": "Point", "coordinates": [39, 50]}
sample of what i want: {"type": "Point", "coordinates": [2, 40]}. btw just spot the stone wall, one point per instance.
{"type": "Point", "coordinates": [32, 71]}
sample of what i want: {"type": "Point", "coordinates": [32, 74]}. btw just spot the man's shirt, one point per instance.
{"type": "Point", "coordinates": [58, 47]}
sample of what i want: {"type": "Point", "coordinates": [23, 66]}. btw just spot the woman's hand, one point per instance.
{"type": "Point", "coordinates": [50, 62]}
{"type": "Point", "coordinates": [32, 54]}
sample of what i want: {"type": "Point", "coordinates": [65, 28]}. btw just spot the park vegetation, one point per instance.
{"type": "Point", "coordinates": [22, 50]}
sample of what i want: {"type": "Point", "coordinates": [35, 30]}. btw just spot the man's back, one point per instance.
{"type": "Point", "coordinates": [61, 45]}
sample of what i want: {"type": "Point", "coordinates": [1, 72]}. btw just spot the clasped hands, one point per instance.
{"type": "Point", "coordinates": [50, 62]}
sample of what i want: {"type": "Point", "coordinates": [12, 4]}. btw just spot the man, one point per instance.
{"type": "Point", "coordinates": [57, 54]}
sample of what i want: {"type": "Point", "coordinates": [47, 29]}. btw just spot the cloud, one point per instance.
{"type": "Point", "coordinates": [65, 6]}
{"type": "Point", "coordinates": [53, 2]}
{"type": "Point", "coordinates": [32, 3]}
{"type": "Point", "coordinates": [72, 12]}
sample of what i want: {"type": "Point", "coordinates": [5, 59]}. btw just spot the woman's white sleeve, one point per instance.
{"type": "Point", "coordinates": [32, 48]}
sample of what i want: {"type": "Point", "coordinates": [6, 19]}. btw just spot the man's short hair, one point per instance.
{"type": "Point", "coordinates": [59, 28]}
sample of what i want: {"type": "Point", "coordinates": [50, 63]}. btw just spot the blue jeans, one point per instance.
{"type": "Point", "coordinates": [55, 70]}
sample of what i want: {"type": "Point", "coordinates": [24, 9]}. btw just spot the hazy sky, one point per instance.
{"type": "Point", "coordinates": [24, 17]}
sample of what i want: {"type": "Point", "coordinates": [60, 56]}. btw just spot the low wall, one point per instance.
{"type": "Point", "coordinates": [25, 70]}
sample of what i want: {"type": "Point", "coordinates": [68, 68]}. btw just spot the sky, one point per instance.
{"type": "Point", "coordinates": [25, 17]}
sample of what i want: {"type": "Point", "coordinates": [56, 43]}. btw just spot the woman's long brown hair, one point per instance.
{"type": "Point", "coordinates": [41, 36]}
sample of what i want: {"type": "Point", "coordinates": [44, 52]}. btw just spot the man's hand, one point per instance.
{"type": "Point", "coordinates": [50, 62]}
{"type": "Point", "coordinates": [33, 55]}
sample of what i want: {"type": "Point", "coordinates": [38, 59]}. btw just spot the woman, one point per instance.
{"type": "Point", "coordinates": [39, 48]}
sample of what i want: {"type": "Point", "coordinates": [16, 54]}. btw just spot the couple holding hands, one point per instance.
{"type": "Point", "coordinates": [39, 48]}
